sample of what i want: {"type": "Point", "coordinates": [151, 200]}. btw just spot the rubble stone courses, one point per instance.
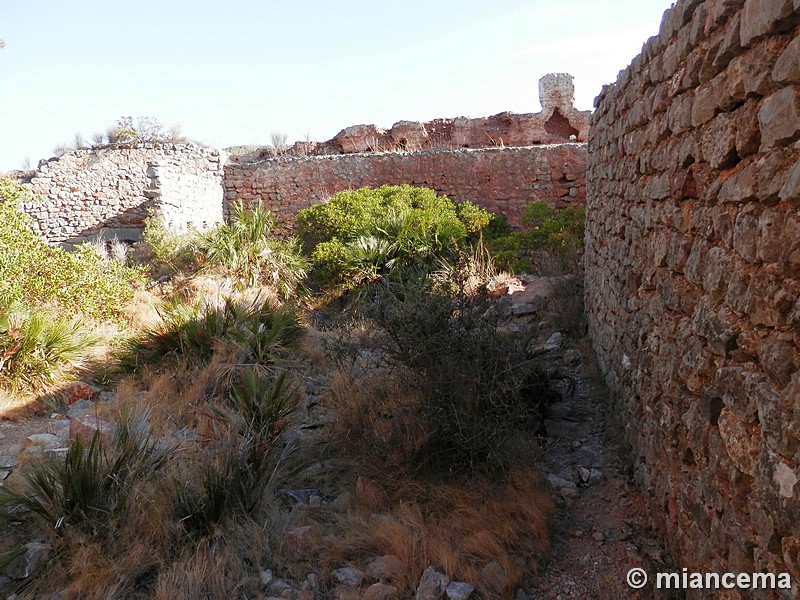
{"type": "Point", "coordinates": [693, 275]}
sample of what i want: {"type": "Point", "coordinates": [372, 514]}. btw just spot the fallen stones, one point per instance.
{"type": "Point", "coordinates": [432, 584]}
{"type": "Point", "coordinates": [79, 390]}
{"type": "Point", "coordinates": [36, 554]}
{"type": "Point", "coordinates": [300, 542]}
{"type": "Point", "coordinates": [554, 342]}
{"type": "Point", "coordinates": [493, 577]}
{"type": "Point", "coordinates": [459, 590]}
{"type": "Point", "coordinates": [381, 591]}
{"type": "Point", "coordinates": [590, 476]}
{"type": "Point", "coordinates": [387, 568]}
{"type": "Point", "coordinates": [371, 494]}
{"type": "Point", "coordinates": [85, 427]}
{"type": "Point", "coordinates": [348, 576]}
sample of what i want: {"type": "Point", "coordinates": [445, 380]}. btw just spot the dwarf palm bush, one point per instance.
{"type": "Point", "coordinates": [265, 402]}
{"type": "Point", "coordinates": [37, 346]}
{"type": "Point", "coordinates": [261, 330]}
{"type": "Point", "coordinates": [245, 250]}
{"type": "Point", "coordinates": [231, 475]}
{"type": "Point", "coordinates": [91, 485]}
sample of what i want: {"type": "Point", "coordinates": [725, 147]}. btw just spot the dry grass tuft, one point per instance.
{"type": "Point", "coordinates": [460, 526]}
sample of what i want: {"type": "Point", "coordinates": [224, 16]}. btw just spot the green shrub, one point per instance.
{"type": "Point", "coordinates": [261, 330]}
{"type": "Point", "coordinates": [550, 243]}
{"type": "Point", "coordinates": [169, 252]}
{"type": "Point", "coordinates": [31, 272]}
{"type": "Point", "coordinates": [245, 250]}
{"type": "Point", "coordinates": [89, 486]}
{"type": "Point", "coordinates": [230, 477]}
{"type": "Point", "coordinates": [37, 346]}
{"type": "Point", "coordinates": [480, 391]}
{"type": "Point", "coordinates": [363, 235]}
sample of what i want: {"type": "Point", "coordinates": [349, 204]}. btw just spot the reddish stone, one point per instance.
{"type": "Point", "coordinates": [779, 118]}
{"type": "Point", "coordinates": [85, 427]}
{"type": "Point", "coordinates": [300, 542]}
{"type": "Point", "coordinates": [78, 390]}
{"type": "Point", "coordinates": [683, 186]}
{"type": "Point", "coordinates": [761, 17]}
{"type": "Point", "coordinates": [371, 494]}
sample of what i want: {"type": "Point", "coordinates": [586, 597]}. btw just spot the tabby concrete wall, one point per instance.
{"type": "Point", "coordinates": [693, 277]}
{"type": "Point", "coordinates": [106, 192]}
{"type": "Point", "coordinates": [502, 180]}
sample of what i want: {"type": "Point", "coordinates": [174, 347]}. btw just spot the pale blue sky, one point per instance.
{"type": "Point", "coordinates": [233, 72]}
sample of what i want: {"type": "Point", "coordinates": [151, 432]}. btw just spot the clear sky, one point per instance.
{"type": "Point", "coordinates": [232, 72]}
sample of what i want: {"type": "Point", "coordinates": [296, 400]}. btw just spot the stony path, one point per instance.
{"type": "Point", "coordinates": [605, 526]}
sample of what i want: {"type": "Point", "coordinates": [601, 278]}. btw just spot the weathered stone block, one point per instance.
{"type": "Point", "coordinates": [779, 118]}
{"type": "Point", "coordinates": [745, 233]}
{"type": "Point", "coordinates": [718, 142]}
{"type": "Point", "coordinates": [762, 17]}
{"type": "Point", "coordinates": [787, 67]}
{"type": "Point", "coordinates": [748, 133]}
{"type": "Point", "coordinates": [790, 192]}
{"type": "Point", "coordinates": [740, 440]}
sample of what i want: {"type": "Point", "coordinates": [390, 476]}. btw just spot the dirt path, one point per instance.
{"type": "Point", "coordinates": [605, 526]}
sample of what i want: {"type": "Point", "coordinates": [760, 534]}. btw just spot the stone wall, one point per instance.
{"type": "Point", "coordinates": [558, 122]}
{"type": "Point", "coordinates": [106, 192]}
{"type": "Point", "coordinates": [502, 180]}
{"type": "Point", "coordinates": [693, 277]}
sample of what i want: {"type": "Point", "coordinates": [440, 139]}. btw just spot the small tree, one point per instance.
{"type": "Point", "coordinates": [279, 142]}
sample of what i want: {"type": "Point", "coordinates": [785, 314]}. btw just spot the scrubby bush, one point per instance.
{"type": "Point", "coordinates": [91, 485]}
{"type": "Point", "coordinates": [245, 249]}
{"type": "Point", "coordinates": [366, 234]}
{"type": "Point", "coordinates": [551, 241]}
{"type": "Point", "coordinates": [444, 388]}
{"type": "Point", "coordinates": [168, 252]}
{"type": "Point", "coordinates": [260, 329]}
{"type": "Point", "coordinates": [32, 273]}
{"type": "Point", "coordinates": [37, 346]}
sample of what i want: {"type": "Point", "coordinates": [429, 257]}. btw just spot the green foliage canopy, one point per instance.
{"type": "Point", "coordinates": [364, 234]}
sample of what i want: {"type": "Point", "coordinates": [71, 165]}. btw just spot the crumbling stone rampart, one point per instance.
{"type": "Point", "coordinates": [106, 192]}
{"type": "Point", "coordinates": [502, 180]}
{"type": "Point", "coordinates": [557, 123]}
{"type": "Point", "coordinates": [500, 162]}
{"type": "Point", "coordinates": [693, 276]}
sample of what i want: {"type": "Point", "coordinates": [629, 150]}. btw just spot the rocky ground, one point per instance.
{"type": "Point", "coordinates": [604, 526]}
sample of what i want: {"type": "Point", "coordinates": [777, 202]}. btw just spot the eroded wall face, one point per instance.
{"type": "Point", "coordinates": [502, 180]}
{"type": "Point", "coordinates": [693, 276]}
{"type": "Point", "coordinates": [105, 193]}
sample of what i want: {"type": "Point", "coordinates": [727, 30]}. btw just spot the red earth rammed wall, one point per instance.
{"type": "Point", "coordinates": [693, 276]}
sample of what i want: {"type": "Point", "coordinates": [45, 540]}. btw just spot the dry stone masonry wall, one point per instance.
{"type": "Point", "coordinates": [105, 193]}
{"type": "Point", "coordinates": [500, 162]}
{"type": "Point", "coordinates": [502, 180]}
{"type": "Point", "coordinates": [558, 122]}
{"type": "Point", "coordinates": [693, 276]}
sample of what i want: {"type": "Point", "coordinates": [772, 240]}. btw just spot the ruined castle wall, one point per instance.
{"type": "Point", "coordinates": [502, 180]}
{"type": "Point", "coordinates": [693, 276]}
{"type": "Point", "coordinates": [106, 192]}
